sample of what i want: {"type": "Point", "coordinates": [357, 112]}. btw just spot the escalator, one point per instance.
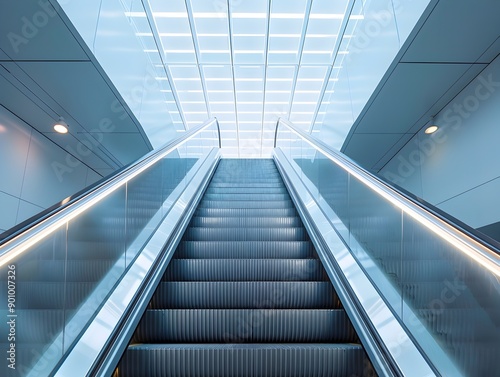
{"type": "Point", "coordinates": [184, 263]}
{"type": "Point", "coordinates": [245, 294]}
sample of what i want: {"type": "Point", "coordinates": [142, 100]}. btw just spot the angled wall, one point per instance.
{"type": "Point", "coordinates": [30, 167]}
{"type": "Point", "coordinates": [457, 168]}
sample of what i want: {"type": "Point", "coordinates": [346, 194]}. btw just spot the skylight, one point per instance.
{"type": "Point", "coordinates": [248, 63]}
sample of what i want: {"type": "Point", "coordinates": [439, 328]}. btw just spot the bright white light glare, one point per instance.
{"type": "Point", "coordinates": [431, 129]}
{"type": "Point", "coordinates": [248, 15]}
{"type": "Point", "coordinates": [210, 15]}
{"type": "Point", "coordinates": [326, 16]}
{"type": "Point", "coordinates": [248, 51]}
{"type": "Point", "coordinates": [283, 51]}
{"type": "Point", "coordinates": [179, 51]}
{"type": "Point", "coordinates": [249, 79]}
{"type": "Point", "coordinates": [59, 128]}
{"type": "Point", "coordinates": [357, 17]}
{"type": "Point", "coordinates": [175, 34]}
{"type": "Point", "coordinates": [317, 52]}
{"type": "Point", "coordinates": [248, 35]}
{"type": "Point", "coordinates": [285, 35]}
{"type": "Point", "coordinates": [135, 14]}
{"type": "Point", "coordinates": [212, 35]}
{"type": "Point", "coordinates": [288, 15]}
{"type": "Point", "coordinates": [321, 36]}
{"type": "Point", "coordinates": [170, 14]}
{"type": "Point", "coordinates": [215, 51]}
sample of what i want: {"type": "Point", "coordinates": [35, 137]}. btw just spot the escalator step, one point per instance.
{"type": "Point", "coordinates": [245, 295]}
{"type": "Point", "coordinates": [247, 190]}
{"type": "Point", "coordinates": [246, 197]}
{"type": "Point", "coordinates": [245, 270]}
{"type": "Point", "coordinates": [246, 212]}
{"type": "Point", "coordinates": [246, 234]}
{"type": "Point", "coordinates": [215, 184]}
{"type": "Point", "coordinates": [243, 360]}
{"type": "Point", "coordinates": [245, 249]}
{"type": "Point", "coordinates": [269, 204]}
{"type": "Point", "coordinates": [246, 222]}
{"type": "Point", "coordinates": [244, 325]}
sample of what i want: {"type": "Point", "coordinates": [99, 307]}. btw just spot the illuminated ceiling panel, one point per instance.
{"type": "Point", "coordinates": [249, 63]}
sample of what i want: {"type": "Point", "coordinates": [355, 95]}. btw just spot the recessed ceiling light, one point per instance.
{"type": "Point", "coordinates": [61, 126]}
{"type": "Point", "coordinates": [431, 129]}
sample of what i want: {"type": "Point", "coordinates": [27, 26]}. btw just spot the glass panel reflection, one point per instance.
{"type": "Point", "coordinates": [57, 286]}
{"type": "Point", "coordinates": [32, 307]}
{"type": "Point", "coordinates": [445, 297]}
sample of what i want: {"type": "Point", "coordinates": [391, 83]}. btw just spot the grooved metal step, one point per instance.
{"type": "Point", "coordinates": [245, 234]}
{"type": "Point", "coordinates": [247, 190]}
{"type": "Point", "coordinates": [246, 212]}
{"type": "Point", "coordinates": [246, 204]}
{"type": "Point", "coordinates": [246, 184]}
{"type": "Point", "coordinates": [246, 197]}
{"type": "Point", "coordinates": [243, 360]}
{"type": "Point", "coordinates": [244, 325]}
{"type": "Point", "coordinates": [245, 295]}
{"type": "Point", "coordinates": [245, 270]}
{"type": "Point", "coordinates": [246, 222]}
{"type": "Point", "coordinates": [245, 249]}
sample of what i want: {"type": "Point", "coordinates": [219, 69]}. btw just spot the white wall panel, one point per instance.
{"type": "Point", "coordinates": [479, 206]}
{"type": "Point", "coordinates": [457, 168]}
{"type": "Point", "coordinates": [29, 166]}
{"type": "Point", "coordinates": [14, 146]}
{"type": "Point", "coordinates": [42, 184]}
{"type": "Point", "coordinates": [9, 205]}
{"type": "Point", "coordinates": [92, 177]}
{"type": "Point", "coordinates": [26, 210]}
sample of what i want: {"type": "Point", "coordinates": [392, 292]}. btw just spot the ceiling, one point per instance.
{"type": "Point", "coordinates": [247, 62]}
{"type": "Point", "coordinates": [451, 44]}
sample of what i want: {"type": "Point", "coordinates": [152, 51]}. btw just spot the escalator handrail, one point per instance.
{"type": "Point", "coordinates": [481, 250]}
{"type": "Point", "coordinates": [40, 226]}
